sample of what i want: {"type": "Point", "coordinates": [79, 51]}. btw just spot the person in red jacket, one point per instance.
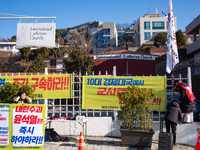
{"type": "Point", "coordinates": [187, 98]}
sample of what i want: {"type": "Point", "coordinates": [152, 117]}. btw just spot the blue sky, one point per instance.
{"type": "Point", "coordinates": [70, 13]}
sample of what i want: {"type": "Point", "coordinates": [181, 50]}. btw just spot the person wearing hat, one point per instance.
{"type": "Point", "coordinates": [21, 98]}
{"type": "Point", "coordinates": [172, 116]}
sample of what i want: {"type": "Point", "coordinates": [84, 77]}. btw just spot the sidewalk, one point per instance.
{"type": "Point", "coordinates": [102, 143]}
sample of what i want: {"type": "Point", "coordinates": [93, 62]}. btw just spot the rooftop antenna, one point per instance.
{"type": "Point", "coordinates": [148, 10]}
{"type": "Point", "coordinates": [150, 6]}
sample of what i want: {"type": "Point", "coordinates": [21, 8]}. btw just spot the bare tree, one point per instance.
{"type": "Point", "coordinates": [122, 26]}
{"type": "Point", "coordinates": [75, 39]}
{"type": "Point", "coordinates": [25, 64]}
{"type": "Point", "coordinates": [62, 42]}
{"type": "Point", "coordinates": [133, 24]}
{"type": "Point", "coordinates": [9, 64]}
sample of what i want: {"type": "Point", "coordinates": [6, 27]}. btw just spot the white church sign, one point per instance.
{"type": "Point", "coordinates": [36, 34]}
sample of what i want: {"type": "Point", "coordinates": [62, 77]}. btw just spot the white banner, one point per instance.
{"type": "Point", "coordinates": [27, 126]}
{"type": "Point", "coordinates": [172, 52]}
{"type": "Point", "coordinates": [36, 34]}
{"type": "Point", "coordinates": [4, 125]}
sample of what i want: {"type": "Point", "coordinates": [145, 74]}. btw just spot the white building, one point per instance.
{"type": "Point", "coordinates": [9, 47]}
{"type": "Point", "coordinates": [194, 30]}
{"type": "Point", "coordinates": [148, 25]}
{"type": "Point", "coordinates": [83, 28]}
{"type": "Point", "coordinates": [105, 36]}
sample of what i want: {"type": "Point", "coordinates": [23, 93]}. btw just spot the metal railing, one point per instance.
{"type": "Point", "coordinates": [72, 107]}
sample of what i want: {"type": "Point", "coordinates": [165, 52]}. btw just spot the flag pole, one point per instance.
{"type": "Point", "coordinates": [172, 75]}
{"type": "Point", "coordinates": [172, 56]}
{"type": "Point", "coordinates": [172, 51]}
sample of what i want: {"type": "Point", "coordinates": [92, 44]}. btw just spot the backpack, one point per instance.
{"type": "Point", "coordinates": [54, 136]}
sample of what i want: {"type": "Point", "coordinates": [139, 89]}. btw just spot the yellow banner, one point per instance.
{"type": "Point", "coordinates": [45, 86]}
{"type": "Point", "coordinates": [101, 92]}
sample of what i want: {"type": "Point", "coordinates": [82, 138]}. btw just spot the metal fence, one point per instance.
{"type": "Point", "coordinates": [72, 107]}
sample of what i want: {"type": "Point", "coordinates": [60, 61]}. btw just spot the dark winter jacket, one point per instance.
{"type": "Point", "coordinates": [186, 105]}
{"type": "Point", "coordinates": [27, 100]}
{"type": "Point", "coordinates": [173, 112]}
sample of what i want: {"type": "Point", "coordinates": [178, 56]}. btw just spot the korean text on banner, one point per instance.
{"type": "Point", "coordinates": [4, 126]}
{"type": "Point", "coordinates": [28, 125]}
{"type": "Point", "coordinates": [36, 34]}
{"type": "Point", "coordinates": [44, 86]}
{"type": "Point", "coordinates": [172, 52]}
{"type": "Point", "coordinates": [101, 92]}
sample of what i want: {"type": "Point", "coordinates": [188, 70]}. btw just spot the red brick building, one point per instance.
{"type": "Point", "coordinates": [126, 62]}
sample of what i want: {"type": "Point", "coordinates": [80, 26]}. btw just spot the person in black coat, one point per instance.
{"type": "Point", "coordinates": [20, 99]}
{"type": "Point", "coordinates": [172, 116]}
{"type": "Point", "coordinates": [186, 97]}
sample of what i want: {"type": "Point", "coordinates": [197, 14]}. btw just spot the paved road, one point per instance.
{"type": "Point", "coordinates": [106, 143]}
{"type": "Point", "coordinates": [102, 143]}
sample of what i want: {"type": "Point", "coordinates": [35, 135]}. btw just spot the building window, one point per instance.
{"type": "Point", "coordinates": [154, 33]}
{"type": "Point", "coordinates": [138, 28]}
{"type": "Point", "coordinates": [147, 35]}
{"type": "Point", "coordinates": [47, 62]}
{"type": "Point", "coordinates": [95, 39]}
{"type": "Point", "coordinates": [158, 25]}
{"type": "Point", "coordinates": [146, 25]}
{"type": "Point", "coordinates": [120, 38]}
{"type": "Point", "coordinates": [106, 46]}
{"type": "Point", "coordinates": [167, 24]}
{"type": "Point", "coordinates": [59, 64]}
{"type": "Point", "coordinates": [139, 39]}
{"type": "Point", "coordinates": [130, 34]}
{"type": "Point", "coordinates": [3, 47]}
{"type": "Point", "coordinates": [106, 39]}
{"type": "Point", "coordinates": [100, 44]}
{"type": "Point", "coordinates": [106, 31]}
{"type": "Point", "coordinates": [119, 33]}
{"type": "Point", "coordinates": [100, 36]}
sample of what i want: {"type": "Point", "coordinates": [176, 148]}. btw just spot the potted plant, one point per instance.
{"type": "Point", "coordinates": [135, 117]}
